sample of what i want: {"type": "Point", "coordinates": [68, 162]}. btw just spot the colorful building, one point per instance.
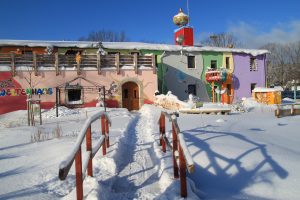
{"type": "Point", "coordinates": [74, 74]}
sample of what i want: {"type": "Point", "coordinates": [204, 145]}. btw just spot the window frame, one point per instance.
{"type": "Point", "coordinates": [191, 63]}
{"type": "Point", "coordinates": [253, 64]}
{"type": "Point", "coordinates": [215, 62]}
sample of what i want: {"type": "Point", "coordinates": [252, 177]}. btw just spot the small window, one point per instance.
{"type": "Point", "coordinates": [228, 89]}
{"type": "Point", "coordinates": [135, 94]}
{"type": "Point", "coordinates": [191, 62]}
{"type": "Point", "coordinates": [112, 53]}
{"type": "Point", "coordinates": [125, 93]}
{"type": "Point", "coordinates": [227, 63]}
{"type": "Point", "coordinates": [74, 96]}
{"type": "Point", "coordinates": [213, 64]}
{"type": "Point", "coordinates": [252, 86]}
{"type": "Point", "coordinates": [192, 89]}
{"type": "Point", "coordinates": [253, 64]}
{"type": "Point", "coordinates": [27, 52]}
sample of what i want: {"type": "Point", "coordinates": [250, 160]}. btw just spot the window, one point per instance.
{"type": "Point", "coordinates": [213, 64]}
{"type": "Point", "coordinates": [74, 96]}
{"type": "Point", "coordinates": [192, 89]}
{"type": "Point", "coordinates": [228, 89]}
{"type": "Point", "coordinates": [27, 52]}
{"type": "Point", "coordinates": [135, 94]}
{"type": "Point", "coordinates": [252, 86]}
{"type": "Point", "coordinates": [253, 64]}
{"type": "Point", "coordinates": [125, 93]}
{"type": "Point", "coordinates": [191, 62]}
{"type": "Point", "coordinates": [227, 63]}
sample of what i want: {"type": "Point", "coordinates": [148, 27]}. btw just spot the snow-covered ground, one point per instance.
{"type": "Point", "coordinates": [243, 155]}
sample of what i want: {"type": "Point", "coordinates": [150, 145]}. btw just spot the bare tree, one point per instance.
{"type": "Point", "coordinates": [222, 40]}
{"type": "Point", "coordinates": [283, 63]}
{"type": "Point", "coordinates": [105, 36]}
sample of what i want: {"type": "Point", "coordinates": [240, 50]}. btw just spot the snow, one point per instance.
{"type": "Point", "coordinates": [262, 89]}
{"type": "Point", "coordinates": [128, 46]}
{"type": "Point", "coordinates": [243, 155]}
{"type": "Point", "coordinates": [4, 68]}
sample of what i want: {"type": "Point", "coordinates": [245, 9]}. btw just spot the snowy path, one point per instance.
{"type": "Point", "coordinates": [137, 170]}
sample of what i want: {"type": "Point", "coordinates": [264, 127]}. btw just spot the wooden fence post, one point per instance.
{"type": "Point", "coordinates": [89, 148]}
{"type": "Point", "coordinates": [34, 64]}
{"type": "Point", "coordinates": [13, 64]}
{"type": "Point", "coordinates": [182, 167]}
{"type": "Point", "coordinates": [107, 132]}
{"type": "Point", "coordinates": [162, 132]}
{"type": "Point", "coordinates": [153, 63]}
{"type": "Point", "coordinates": [117, 61]}
{"type": "Point", "coordinates": [99, 63]}
{"type": "Point", "coordinates": [56, 63]}
{"type": "Point", "coordinates": [135, 62]}
{"type": "Point", "coordinates": [175, 166]}
{"type": "Point", "coordinates": [103, 133]}
{"type": "Point", "coordinates": [78, 169]}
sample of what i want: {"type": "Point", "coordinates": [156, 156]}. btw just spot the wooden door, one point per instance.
{"type": "Point", "coordinates": [130, 96]}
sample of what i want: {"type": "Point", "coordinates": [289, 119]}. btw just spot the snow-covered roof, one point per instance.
{"type": "Point", "coordinates": [41, 43]}
{"type": "Point", "coordinates": [128, 46]}
{"type": "Point", "coordinates": [262, 89]}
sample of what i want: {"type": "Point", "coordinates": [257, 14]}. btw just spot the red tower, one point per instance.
{"type": "Point", "coordinates": [184, 35]}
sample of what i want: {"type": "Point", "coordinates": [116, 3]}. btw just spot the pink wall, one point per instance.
{"type": "Point", "coordinates": [146, 80]}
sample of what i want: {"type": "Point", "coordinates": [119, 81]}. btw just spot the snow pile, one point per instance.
{"type": "Point", "coordinates": [250, 104]}
{"type": "Point", "coordinates": [62, 112]}
{"type": "Point", "coordinates": [170, 101]}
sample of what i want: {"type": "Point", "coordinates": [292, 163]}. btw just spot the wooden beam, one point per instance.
{"type": "Point", "coordinates": [78, 61]}
{"type": "Point", "coordinates": [34, 63]}
{"type": "Point", "coordinates": [135, 62]}
{"type": "Point", "coordinates": [13, 65]}
{"type": "Point", "coordinates": [153, 63]}
{"type": "Point", "coordinates": [99, 63]}
{"type": "Point", "coordinates": [56, 63]}
{"type": "Point", "coordinates": [117, 60]}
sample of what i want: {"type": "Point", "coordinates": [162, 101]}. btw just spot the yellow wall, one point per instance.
{"type": "Point", "coordinates": [231, 63]}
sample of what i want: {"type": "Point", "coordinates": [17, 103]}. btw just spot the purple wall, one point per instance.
{"type": "Point", "coordinates": [243, 77]}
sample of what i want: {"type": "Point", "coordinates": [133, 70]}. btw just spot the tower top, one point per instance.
{"type": "Point", "coordinates": [181, 19]}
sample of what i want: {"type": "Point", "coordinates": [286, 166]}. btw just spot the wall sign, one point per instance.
{"type": "Point", "coordinates": [23, 92]}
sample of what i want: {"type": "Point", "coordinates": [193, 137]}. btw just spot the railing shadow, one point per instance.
{"type": "Point", "coordinates": [216, 180]}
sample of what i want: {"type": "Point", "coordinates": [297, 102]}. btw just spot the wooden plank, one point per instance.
{"type": "Point", "coordinates": [135, 62]}
{"type": "Point", "coordinates": [34, 64]}
{"type": "Point", "coordinates": [117, 60]}
{"type": "Point", "coordinates": [13, 65]}
{"type": "Point", "coordinates": [56, 63]}
{"type": "Point", "coordinates": [154, 64]}
{"type": "Point", "coordinates": [99, 63]}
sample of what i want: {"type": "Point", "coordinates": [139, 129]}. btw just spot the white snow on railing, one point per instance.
{"type": "Point", "coordinates": [187, 156]}
{"type": "Point", "coordinates": [81, 137]}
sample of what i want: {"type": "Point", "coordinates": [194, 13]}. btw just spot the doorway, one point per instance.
{"type": "Point", "coordinates": [130, 96]}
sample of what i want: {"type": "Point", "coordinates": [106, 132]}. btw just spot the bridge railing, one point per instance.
{"type": "Point", "coordinates": [76, 154]}
{"type": "Point", "coordinates": [182, 159]}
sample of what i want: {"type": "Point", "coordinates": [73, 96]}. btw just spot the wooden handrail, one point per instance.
{"type": "Point", "coordinates": [280, 112]}
{"type": "Point", "coordinates": [94, 61]}
{"type": "Point", "coordinates": [179, 150]}
{"type": "Point", "coordinates": [75, 154]}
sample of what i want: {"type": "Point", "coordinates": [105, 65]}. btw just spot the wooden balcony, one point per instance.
{"type": "Point", "coordinates": [57, 62]}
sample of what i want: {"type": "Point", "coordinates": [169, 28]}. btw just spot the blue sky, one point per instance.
{"type": "Point", "coordinates": [253, 21]}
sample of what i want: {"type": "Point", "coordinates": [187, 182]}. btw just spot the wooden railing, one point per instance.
{"type": "Point", "coordinates": [287, 110]}
{"type": "Point", "coordinates": [179, 150]}
{"type": "Point", "coordinates": [91, 151]}
{"type": "Point", "coordinates": [59, 62]}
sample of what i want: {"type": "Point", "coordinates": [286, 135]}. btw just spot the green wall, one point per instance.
{"type": "Point", "coordinates": [207, 58]}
